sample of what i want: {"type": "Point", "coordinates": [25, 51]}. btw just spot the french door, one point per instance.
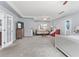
{"type": "Point", "coordinates": [7, 30]}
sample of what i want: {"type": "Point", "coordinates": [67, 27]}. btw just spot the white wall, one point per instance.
{"type": "Point", "coordinates": [60, 22]}
{"type": "Point", "coordinates": [32, 24]}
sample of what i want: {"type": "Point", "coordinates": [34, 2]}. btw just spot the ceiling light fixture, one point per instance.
{"type": "Point", "coordinates": [44, 18]}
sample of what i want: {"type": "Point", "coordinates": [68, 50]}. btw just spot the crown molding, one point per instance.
{"type": "Point", "coordinates": [8, 6]}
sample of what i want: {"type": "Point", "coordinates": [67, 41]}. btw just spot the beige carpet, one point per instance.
{"type": "Point", "coordinates": [36, 46]}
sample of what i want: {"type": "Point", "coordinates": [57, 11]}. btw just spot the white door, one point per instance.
{"type": "Point", "coordinates": [12, 27]}
{"type": "Point", "coordinates": [7, 34]}
{"type": "Point", "coordinates": [4, 30]}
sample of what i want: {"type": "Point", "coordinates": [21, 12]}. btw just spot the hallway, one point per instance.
{"type": "Point", "coordinates": [35, 46]}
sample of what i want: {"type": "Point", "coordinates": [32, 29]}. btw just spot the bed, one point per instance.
{"type": "Point", "coordinates": [42, 32]}
{"type": "Point", "coordinates": [69, 45]}
{"type": "Point", "coordinates": [43, 29]}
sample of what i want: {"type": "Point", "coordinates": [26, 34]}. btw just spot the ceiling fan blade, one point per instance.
{"type": "Point", "coordinates": [65, 3]}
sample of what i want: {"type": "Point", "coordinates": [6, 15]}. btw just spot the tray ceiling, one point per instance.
{"type": "Point", "coordinates": [55, 9]}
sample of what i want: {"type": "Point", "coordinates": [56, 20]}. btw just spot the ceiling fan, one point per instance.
{"type": "Point", "coordinates": [65, 2]}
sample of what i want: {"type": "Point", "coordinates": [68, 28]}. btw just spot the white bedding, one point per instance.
{"type": "Point", "coordinates": [68, 44]}
{"type": "Point", "coordinates": [74, 38]}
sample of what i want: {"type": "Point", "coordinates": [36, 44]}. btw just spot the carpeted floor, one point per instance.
{"type": "Point", "coordinates": [36, 46]}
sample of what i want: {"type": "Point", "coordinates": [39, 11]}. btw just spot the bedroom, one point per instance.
{"type": "Point", "coordinates": [42, 24]}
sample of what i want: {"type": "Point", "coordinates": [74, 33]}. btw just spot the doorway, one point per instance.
{"type": "Point", "coordinates": [6, 30]}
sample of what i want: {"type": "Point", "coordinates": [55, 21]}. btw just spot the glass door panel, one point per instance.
{"type": "Point", "coordinates": [8, 29]}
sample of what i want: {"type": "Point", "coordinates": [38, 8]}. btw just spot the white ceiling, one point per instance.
{"type": "Point", "coordinates": [44, 8]}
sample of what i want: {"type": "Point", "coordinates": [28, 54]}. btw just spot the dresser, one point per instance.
{"type": "Point", "coordinates": [19, 30]}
